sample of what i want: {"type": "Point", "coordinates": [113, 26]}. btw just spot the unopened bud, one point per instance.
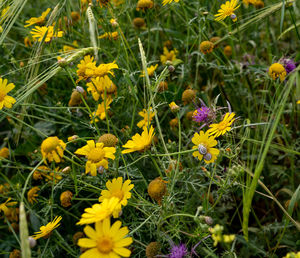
{"type": "Point", "coordinates": [171, 68]}
{"type": "Point", "coordinates": [79, 89]}
{"type": "Point", "coordinates": [32, 242]}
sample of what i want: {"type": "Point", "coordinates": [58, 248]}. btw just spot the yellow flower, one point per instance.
{"type": "Point", "coordinates": [4, 188]}
{"type": "Point", "coordinates": [46, 230]}
{"type": "Point", "coordinates": [150, 70]}
{"type": "Point", "coordinates": [88, 61]}
{"type": "Point", "coordinates": [173, 106]}
{"type": "Point", "coordinates": [4, 12]}
{"type": "Point", "coordinates": [169, 1]}
{"type": "Point", "coordinates": [292, 255]}
{"type": "Point", "coordinates": [114, 22]}
{"type": "Point", "coordinates": [204, 145]}
{"type": "Point", "coordinates": [116, 188]}
{"type": "Point", "coordinates": [227, 9]}
{"type": "Point", "coordinates": [298, 102]}
{"type": "Point", "coordinates": [106, 240]}
{"type": "Point", "coordinates": [98, 85]}
{"type": "Point", "coordinates": [5, 100]}
{"type": "Point", "coordinates": [96, 155]}
{"type": "Point", "coordinates": [50, 176]}
{"type": "Point", "coordinates": [100, 112]}
{"type": "Point", "coordinates": [109, 35]}
{"type": "Point", "coordinates": [277, 70]}
{"type": "Point", "coordinates": [101, 70]}
{"type": "Point", "coordinates": [27, 42]}
{"type": "Point", "coordinates": [147, 116]}
{"type": "Point", "coordinates": [206, 47]}
{"type": "Point", "coordinates": [139, 142]}
{"type": "Point", "coordinates": [4, 153]}
{"type": "Point", "coordinates": [5, 207]}
{"type": "Point", "coordinates": [53, 149]}
{"type": "Point", "coordinates": [217, 236]}
{"type": "Point", "coordinates": [222, 127]}
{"type": "Point", "coordinates": [168, 55]}
{"type": "Point", "coordinates": [99, 212]}
{"type": "Point", "coordinates": [40, 32]}
{"type": "Point", "coordinates": [144, 4]}
{"type": "Point", "coordinates": [39, 20]}
{"type": "Point", "coordinates": [32, 194]}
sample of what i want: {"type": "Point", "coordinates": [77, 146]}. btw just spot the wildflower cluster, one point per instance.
{"type": "Point", "coordinates": [149, 128]}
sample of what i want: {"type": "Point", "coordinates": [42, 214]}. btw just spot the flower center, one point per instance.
{"type": "Point", "coordinates": [222, 126]}
{"type": "Point", "coordinates": [119, 194]}
{"type": "Point", "coordinates": [96, 155]}
{"type": "Point", "coordinates": [228, 11]}
{"type": "Point", "coordinates": [2, 95]}
{"type": "Point", "coordinates": [50, 144]}
{"type": "Point", "coordinates": [105, 245]}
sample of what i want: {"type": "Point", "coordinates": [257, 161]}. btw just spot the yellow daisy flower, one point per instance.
{"type": "Point", "coordinates": [39, 33]}
{"type": "Point", "coordinates": [109, 35]}
{"type": "Point", "coordinates": [96, 155]}
{"type": "Point", "coordinates": [140, 142]}
{"type": "Point", "coordinates": [100, 112]}
{"type": "Point", "coordinates": [222, 127]}
{"type": "Point", "coordinates": [204, 145]}
{"type": "Point", "coordinates": [39, 20]}
{"type": "Point", "coordinates": [99, 212]}
{"type": "Point", "coordinates": [116, 188]}
{"type": "Point", "coordinates": [45, 231]}
{"type": "Point", "coordinates": [88, 61]}
{"type": "Point", "coordinates": [53, 149]}
{"type": "Point", "coordinates": [168, 55]}
{"type": "Point", "coordinates": [4, 153]}
{"type": "Point", "coordinates": [5, 207]}
{"type": "Point", "coordinates": [150, 71]}
{"type": "Point", "coordinates": [298, 102]}
{"type": "Point", "coordinates": [32, 194]}
{"type": "Point", "coordinates": [5, 100]}
{"type": "Point", "coordinates": [106, 240]}
{"type": "Point", "coordinates": [173, 106]}
{"type": "Point", "coordinates": [277, 70]}
{"type": "Point", "coordinates": [164, 2]}
{"type": "Point", "coordinates": [227, 9]}
{"type": "Point", "coordinates": [101, 70]}
{"type": "Point", "coordinates": [98, 85]}
{"type": "Point", "coordinates": [147, 116]}
{"type": "Point", "coordinates": [49, 174]}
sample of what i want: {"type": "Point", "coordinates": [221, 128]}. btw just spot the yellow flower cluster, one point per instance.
{"type": "Point", "coordinates": [107, 240]}
{"type": "Point", "coordinates": [99, 85]}
{"type": "Point", "coordinates": [218, 237]}
{"type": "Point", "coordinates": [205, 141]}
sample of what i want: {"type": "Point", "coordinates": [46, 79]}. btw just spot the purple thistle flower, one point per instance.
{"type": "Point", "coordinates": [289, 64]}
{"type": "Point", "coordinates": [201, 114]}
{"type": "Point", "coordinates": [178, 251]}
